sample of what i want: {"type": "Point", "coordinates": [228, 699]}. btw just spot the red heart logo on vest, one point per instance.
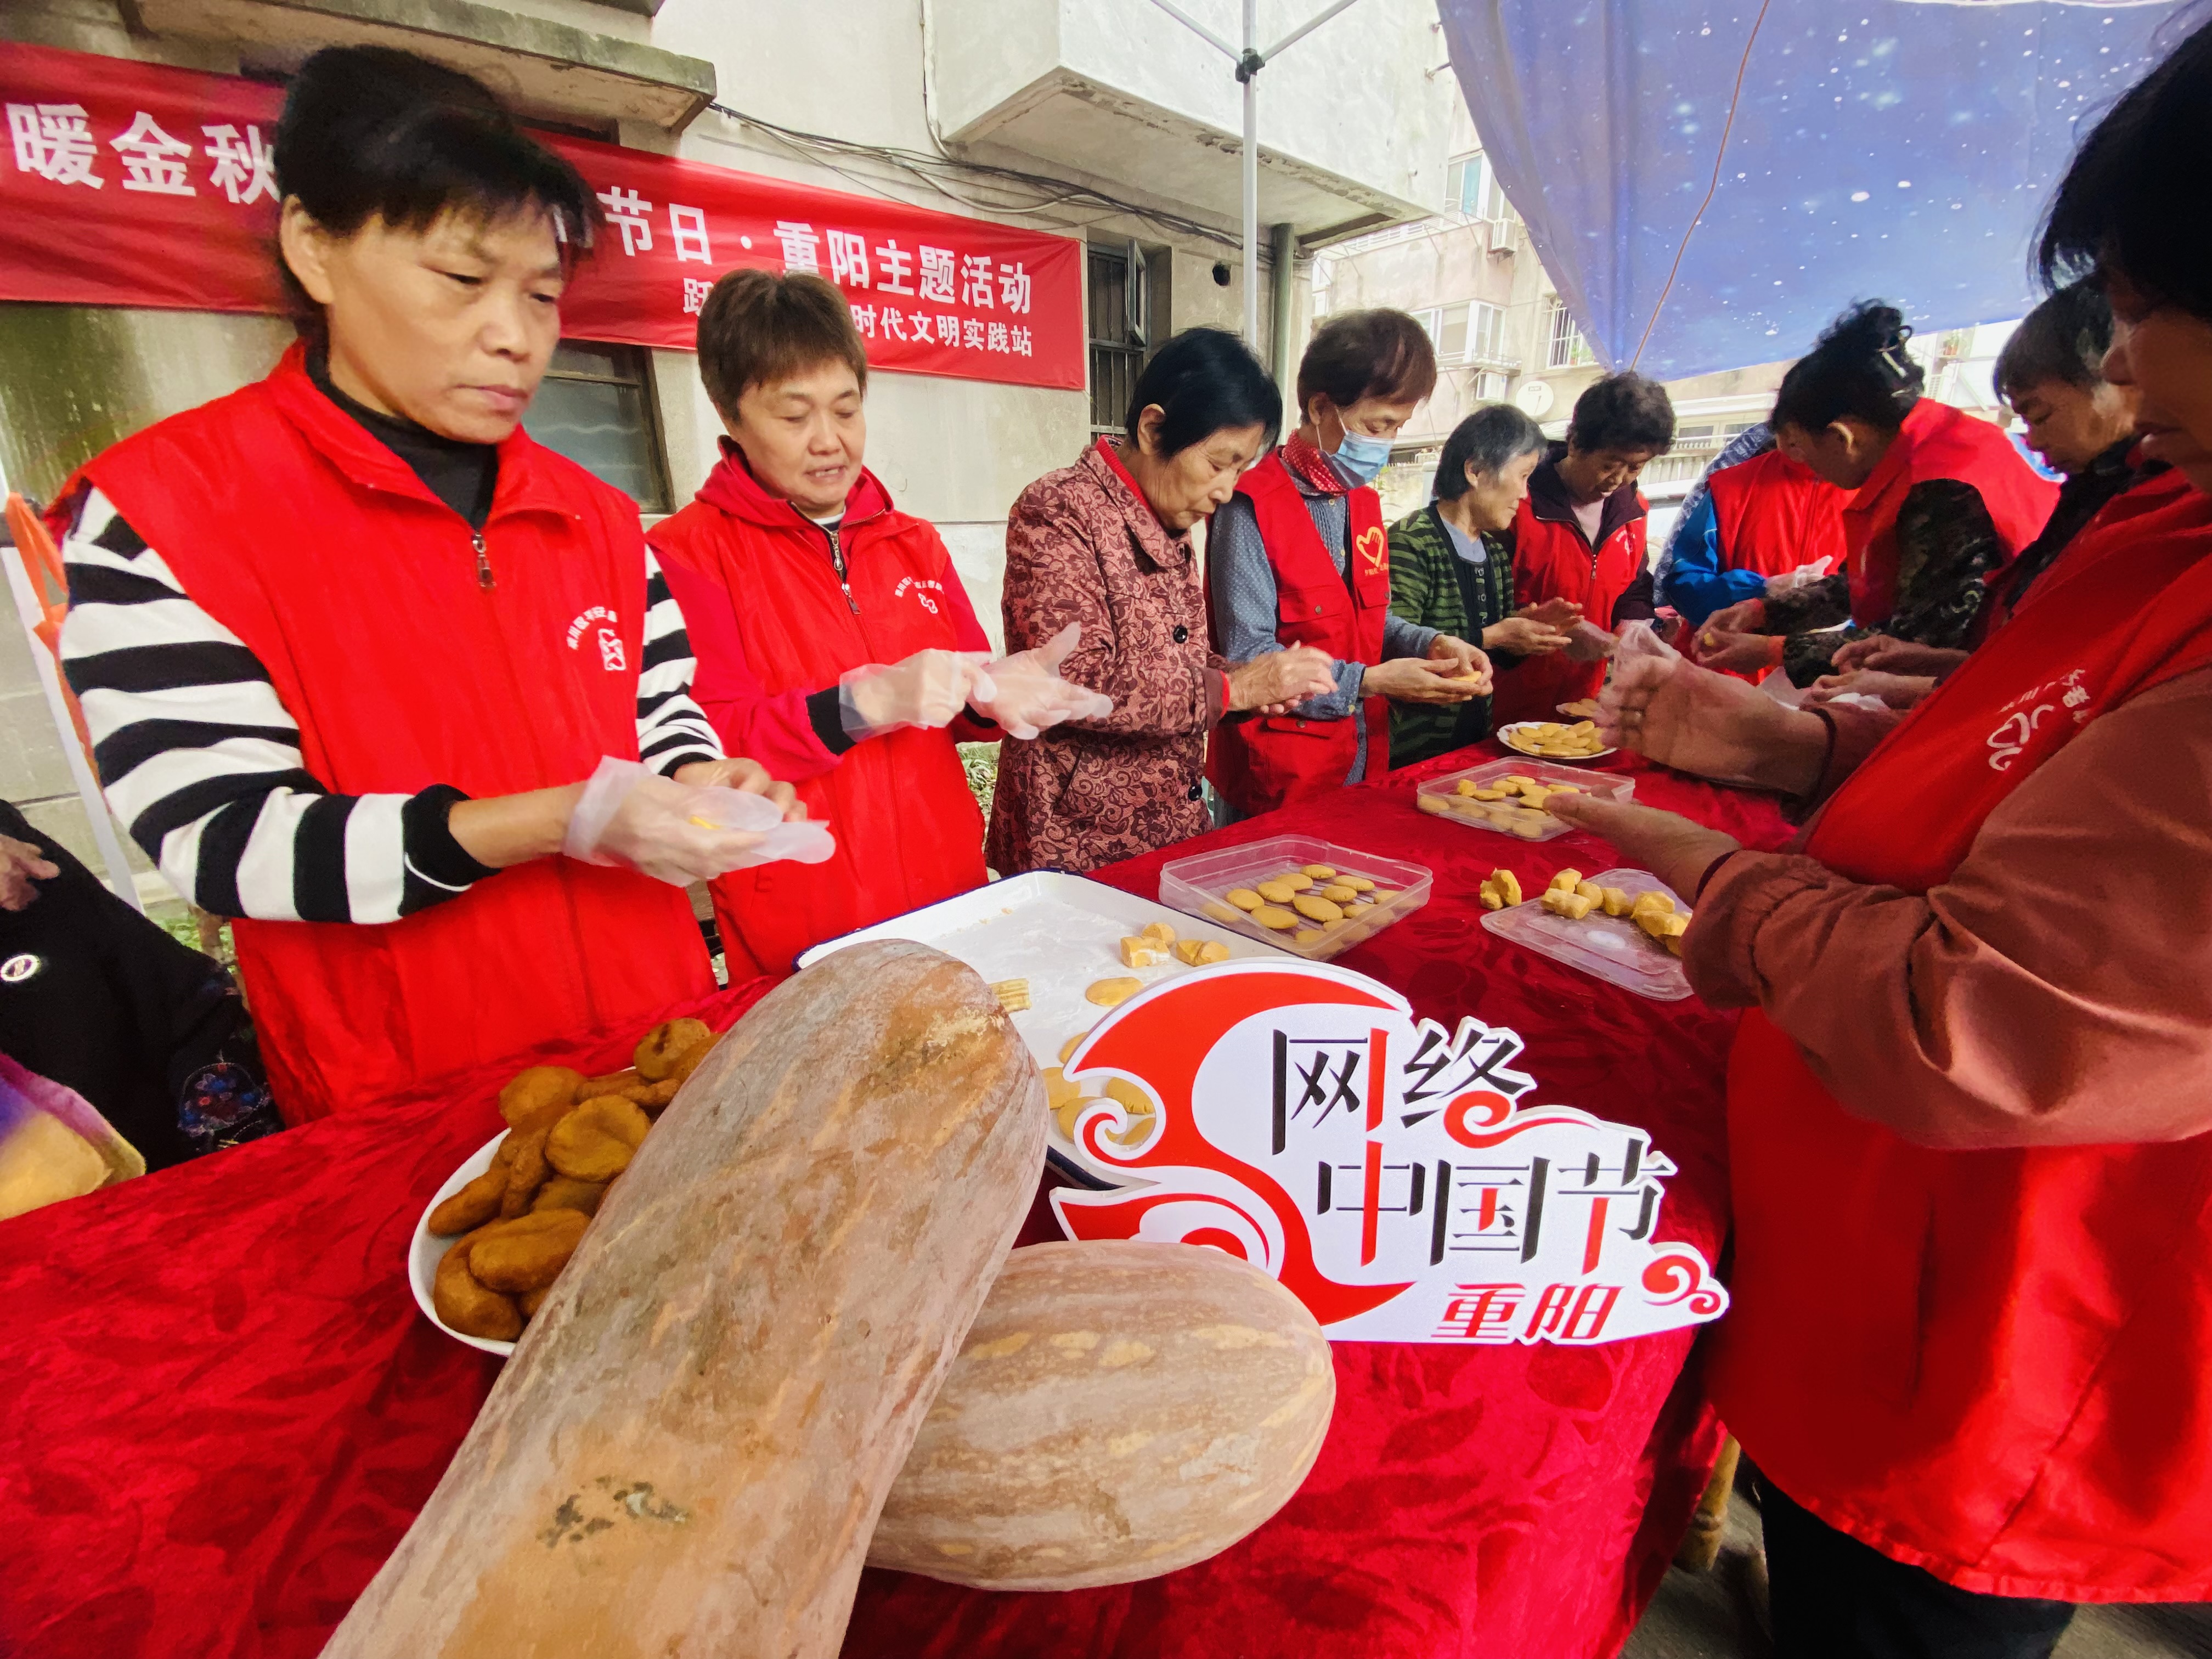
{"type": "Point", "coordinates": [1374, 550]}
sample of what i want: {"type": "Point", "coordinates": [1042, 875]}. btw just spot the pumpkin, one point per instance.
{"type": "Point", "coordinates": [1119, 1410]}
{"type": "Point", "coordinates": [687, 1451]}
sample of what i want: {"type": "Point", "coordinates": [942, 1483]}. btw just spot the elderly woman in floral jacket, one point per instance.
{"type": "Point", "coordinates": [1107, 543]}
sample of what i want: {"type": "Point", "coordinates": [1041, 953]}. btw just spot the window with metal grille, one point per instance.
{"type": "Point", "coordinates": [1120, 326]}
{"type": "Point", "coordinates": [595, 405]}
{"type": "Point", "coordinates": [1564, 347]}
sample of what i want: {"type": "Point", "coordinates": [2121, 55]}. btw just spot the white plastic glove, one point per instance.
{"type": "Point", "coordinates": [1803, 576]}
{"type": "Point", "coordinates": [1588, 642]}
{"type": "Point", "coordinates": [1026, 694]}
{"type": "Point", "coordinates": [928, 688]}
{"type": "Point", "coordinates": [631, 816]}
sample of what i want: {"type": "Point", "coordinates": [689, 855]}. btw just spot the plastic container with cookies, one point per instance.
{"type": "Point", "coordinates": [1615, 926]}
{"type": "Point", "coordinates": [1508, 796]}
{"type": "Point", "coordinates": [1310, 897]}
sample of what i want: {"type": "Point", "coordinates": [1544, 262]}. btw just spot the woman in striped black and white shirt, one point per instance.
{"type": "Point", "coordinates": [350, 644]}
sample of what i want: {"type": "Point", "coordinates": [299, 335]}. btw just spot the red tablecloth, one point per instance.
{"type": "Point", "coordinates": [223, 1408]}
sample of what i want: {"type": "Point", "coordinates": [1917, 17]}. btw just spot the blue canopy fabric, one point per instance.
{"type": "Point", "coordinates": [1849, 149]}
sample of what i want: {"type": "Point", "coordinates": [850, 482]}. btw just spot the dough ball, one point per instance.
{"type": "Point", "coordinates": [1314, 908]}
{"type": "Point", "coordinates": [1243, 898]}
{"type": "Point", "coordinates": [528, 1252]}
{"type": "Point", "coordinates": [1112, 992]}
{"type": "Point", "coordinates": [596, 1141]}
{"type": "Point", "coordinates": [665, 1044]}
{"type": "Point", "coordinates": [1278, 891]}
{"type": "Point", "coordinates": [1274, 916]}
{"type": "Point", "coordinates": [530, 1094]}
{"type": "Point", "coordinates": [474, 1205]}
{"type": "Point", "coordinates": [466, 1303]}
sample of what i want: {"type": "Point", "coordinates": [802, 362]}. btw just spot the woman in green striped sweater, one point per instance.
{"type": "Point", "coordinates": [1451, 569]}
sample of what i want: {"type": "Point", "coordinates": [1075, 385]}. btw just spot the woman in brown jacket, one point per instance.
{"type": "Point", "coordinates": [1107, 543]}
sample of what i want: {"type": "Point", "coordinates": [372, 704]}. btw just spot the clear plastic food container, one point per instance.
{"type": "Point", "coordinates": [1610, 948]}
{"type": "Point", "coordinates": [1200, 886]}
{"type": "Point", "coordinates": [1443, 798]}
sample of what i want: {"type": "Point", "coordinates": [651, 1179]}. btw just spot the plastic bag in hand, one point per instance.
{"type": "Point", "coordinates": [1588, 642]}
{"type": "Point", "coordinates": [1803, 576]}
{"type": "Point", "coordinates": [1640, 658]}
{"type": "Point", "coordinates": [631, 816]}
{"type": "Point", "coordinates": [1026, 693]}
{"type": "Point", "coordinates": [928, 688]}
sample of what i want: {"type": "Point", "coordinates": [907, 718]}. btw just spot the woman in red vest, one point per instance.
{"type": "Point", "coordinates": [834, 638]}
{"type": "Point", "coordinates": [1755, 516]}
{"type": "Point", "coordinates": [349, 642]}
{"type": "Point", "coordinates": [1941, 503]}
{"type": "Point", "coordinates": [1578, 538]}
{"type": "Point", "coordinates": [1970, 1130]}
{"type": "Point", "coordinates": [1298, 556]}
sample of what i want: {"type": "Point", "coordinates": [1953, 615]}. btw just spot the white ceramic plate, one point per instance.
{"type": "Point", "coordinates": [1510, 737]}
{"type": "Point", "coordinates": [424, 1254]}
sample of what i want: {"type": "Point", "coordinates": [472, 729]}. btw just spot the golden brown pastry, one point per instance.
{"type": "Point", "coordinates": [596, 1140]}
{"type": "Point", "coordinates": [665, 1044]}
{"type": "Point", "coordinates": [526, 1171]}
{"type": "Point", "coordinates": [474, 1205]}
{"type": "Point", "coordinates": [527, 1253]}
{"type": "Point", "coordinates": [561, 1193]}
{"type": "Point", "coordinates": [465, 1302]}
{"type": "Point", "coordinates": [530, 1301]}
{"type": "Point", "coordinates": [531, 1093]}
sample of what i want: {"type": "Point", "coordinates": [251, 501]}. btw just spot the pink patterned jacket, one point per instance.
{"type": "Point", "coordinates": [1083, 546]}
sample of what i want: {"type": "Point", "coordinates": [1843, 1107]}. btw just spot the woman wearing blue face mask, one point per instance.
{"type": "Point", "coordinates": [1299, 557]}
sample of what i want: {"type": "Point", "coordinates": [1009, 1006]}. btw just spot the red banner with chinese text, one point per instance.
{"type": "Point", "coordinates": [130, 184]}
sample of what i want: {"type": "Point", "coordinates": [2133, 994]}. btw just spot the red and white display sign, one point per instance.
{"type": "Point", "coordinates": [1399, 1178]}
{"type": "Point", "coordinates": [130, 184]}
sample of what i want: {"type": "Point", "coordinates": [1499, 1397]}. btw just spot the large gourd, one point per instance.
{"type": "Point", "coordinates": [686, 1453]}
{"type": "Point", "coordinates": [1119, 1410]}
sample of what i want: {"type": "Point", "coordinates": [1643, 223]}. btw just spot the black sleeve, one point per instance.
{"type": "Point", "coordinates": [1638, 605]}
{"type": "Point", "coordinates": [1946, 545]}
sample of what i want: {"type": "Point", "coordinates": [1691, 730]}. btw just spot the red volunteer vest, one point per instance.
{"type": "Point", "coordinates": [1268, 760]}
{"type": "Point", "coordinates": [1937, 441]}
{"type": "Point", "coordinates": [1996, 1365]}
{"type": "Point", "coordinates": [1551, 560]}
{"type": "Point", "coordinates": [1775, 515]}
{"type": "Point", "coordinates": [357, 590]}
{"type": "Point", "coordinates": [907, 829]}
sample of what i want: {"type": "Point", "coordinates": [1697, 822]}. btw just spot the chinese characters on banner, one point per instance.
{"type": "Point", "coordinates": [132, 184]}
{"type": "Point", "coordinates": [1402, 1180]}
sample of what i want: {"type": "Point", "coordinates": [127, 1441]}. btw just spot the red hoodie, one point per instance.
{"type": "Point", "coordinates": [772, 625]}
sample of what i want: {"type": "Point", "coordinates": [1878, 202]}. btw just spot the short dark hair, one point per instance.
{"type": "Point", "coordinates": [1857, 366]}
{"type": "Point", "coordinates": [2063, 339]}
{"type": "Point", "coordinates": [2134, 197]}
{"type": "Point", "coordinates": [1626, 410]}
{"type": "Point", "coordinates": [1488, 439]}
{"type": "Point", "coordinates": [370, 132]}
{"type": "Point", "coordinates": [758, 326]}
{"type": "Point", "coordinates": [1205, 380]}
{"type": "Point", "coordinates": [1367, 353]}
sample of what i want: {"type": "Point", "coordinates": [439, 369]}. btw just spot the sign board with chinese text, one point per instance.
{"type": "Point", "coordinates": [1405, 1182]}
{"type": "Point", "coordinates": [130, 184]}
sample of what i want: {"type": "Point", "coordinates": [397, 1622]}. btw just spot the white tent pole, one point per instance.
{"type": "Point", "coordinates": [1248, 71]}
{"type": "Point", "coordinates": [1249, 62]}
